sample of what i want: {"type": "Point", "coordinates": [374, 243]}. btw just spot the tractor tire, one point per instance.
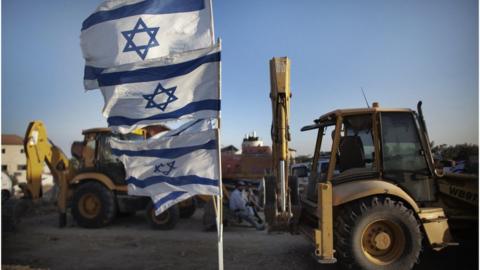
{"type": "Point", "coordinates": [93, 205]}
{"type": "Point", "coordinates": [187, 208]}
{"type": "Point", "coordinates": [166, 220]}
{"type": "Point", "coordinates": [377, 233]}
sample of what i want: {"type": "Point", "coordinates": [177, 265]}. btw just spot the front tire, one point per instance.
{"type": "Point", "coordinates": [377, 233]}
{"type": "Point", "coordinates": [166, 220]}
{"type": "Point", "coordinates": [93, 205]}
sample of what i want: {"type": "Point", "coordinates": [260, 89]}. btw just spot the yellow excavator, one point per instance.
{"type": "Point", "coordinates": [94, 189]}
{"type": "Point", "coordinates": [380, 197]}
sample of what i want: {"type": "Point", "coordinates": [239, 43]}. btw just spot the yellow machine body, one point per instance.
{"type": "Point", "coordinates": [40, 151]}
{"type": "Point", "coordinates": [431, 197]}
{"type": "Point", "coordinates": [281, 207]}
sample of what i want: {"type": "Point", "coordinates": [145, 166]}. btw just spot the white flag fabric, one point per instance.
{"type": "Point", "coordinates": [171, 169]}
{"type": "Point", "coordinates": [180, 86]}
{"type": "Point", "coordinates": [128, 31]}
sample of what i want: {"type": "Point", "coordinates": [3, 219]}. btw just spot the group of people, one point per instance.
{"type": "Point", "coordinates": [244, 205]}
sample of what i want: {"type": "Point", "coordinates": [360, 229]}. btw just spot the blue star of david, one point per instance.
{"type": "Point", "coordinates": [141, 50]}
{"type": "Point", "coordinates": [170, 166]}
{"type": "Point", "coordinates": [160, 90]}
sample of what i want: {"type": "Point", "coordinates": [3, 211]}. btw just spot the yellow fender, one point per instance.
{"type": "Point", "coordinates": [347, 192]}
{"type": "Point", "coordinates": [100, 177]}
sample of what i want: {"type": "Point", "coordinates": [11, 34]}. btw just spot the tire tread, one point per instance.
{"type": "Point", "coordinates": [348, 216]}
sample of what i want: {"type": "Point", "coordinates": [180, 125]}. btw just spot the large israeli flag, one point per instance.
{"type": "Point", "coordinates": [179, 86]}
{"type": "Point", "coordinates": [171, 169]}
{"type": "Point", "coordinates": [128, 31]}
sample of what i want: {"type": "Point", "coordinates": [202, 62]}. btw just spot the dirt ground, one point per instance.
{"type": "Point", "coordinates": [129, 243]}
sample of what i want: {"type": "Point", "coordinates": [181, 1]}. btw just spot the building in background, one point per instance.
{"type": "Point", "coordinates": [14, 162]}
{"type": "Point", "coordinates": [253, 162]}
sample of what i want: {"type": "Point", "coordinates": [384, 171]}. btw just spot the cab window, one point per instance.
{"type": "Point", "coordinates": [402, 150]}
{"type": "Point", "coordinates": [356, 148]}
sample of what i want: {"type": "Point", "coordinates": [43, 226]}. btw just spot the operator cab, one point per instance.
{"type": "Point", "coordinates": [372, 143]}
{"type": "Point", "coordinates": [94, 152]}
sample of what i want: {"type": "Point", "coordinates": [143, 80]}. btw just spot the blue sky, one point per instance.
{"type": "Point", "coordinates": [399, 51]}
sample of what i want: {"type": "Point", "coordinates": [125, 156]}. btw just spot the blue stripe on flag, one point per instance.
{"type": "Point", "coordinates": [208, 104]}
{"type": "Point", "coordinates": [144, 7]}
{"type": "Point", "coordinates": [170, 197]}
{"type": "Point", "coordinates": [174, 181]}
{"type": "Point", "coordinates": [165, 153]}
{"type": "Point", "coordinates": [155, 73]}
{"type": "Point", "coordinates": [92, 73]}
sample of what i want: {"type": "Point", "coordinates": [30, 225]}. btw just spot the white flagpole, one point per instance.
{"type": "Point", "coordinates": [212, 29]}
{"type": "Point", "coordinates": [219, 208]}
{"type": "Point", "coordinates": [219, 200]}
{"type": "Point", "coordinates": [220, 183]}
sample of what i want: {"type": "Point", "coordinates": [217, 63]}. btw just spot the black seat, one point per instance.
{"type": "Point", "coordinates": [351, 153]}
{"type": "Point", "coordinates": [77, 149]}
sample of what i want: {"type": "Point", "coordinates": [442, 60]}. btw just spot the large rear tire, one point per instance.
{"type": "Point", "coordinates": [93, 205]}
{"type": "Point", "coordinates": [377, 234]}
{"type": "Point", "coordinates": [166, 220]}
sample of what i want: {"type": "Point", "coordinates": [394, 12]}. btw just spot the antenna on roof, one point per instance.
{"type": "Point", "coordinates": [365, 97]}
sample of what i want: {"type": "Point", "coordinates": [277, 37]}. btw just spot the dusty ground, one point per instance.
{"type": "Point", "coordinates": [129, 243]}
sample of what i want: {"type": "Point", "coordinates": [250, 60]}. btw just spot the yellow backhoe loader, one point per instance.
{"type": "Point", "coordinates": [95, 189]}
{"type": "Point", "coordinates": [381, 195]}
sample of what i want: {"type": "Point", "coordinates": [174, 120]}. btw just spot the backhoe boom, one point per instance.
{"type": "Point", "coordinates": [40, 151]}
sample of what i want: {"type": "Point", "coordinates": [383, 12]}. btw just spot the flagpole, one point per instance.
{"type": "Point", "coordinates": [211, 21]}
{"type": "Point", "coordinates": [220, 183]}
{"type": "Point", "coordinates": [219, 201]}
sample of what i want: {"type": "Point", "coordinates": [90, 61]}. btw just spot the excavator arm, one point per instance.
{"type": "Point", "coordinates": [280, 97]}
{"type": "Point", "coordinates": [39, 151]}
{"type": "Point", "coordinates": [282, 206]}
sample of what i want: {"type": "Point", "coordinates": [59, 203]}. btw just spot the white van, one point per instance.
{"type": "Point", "coordinates": [303, 170]}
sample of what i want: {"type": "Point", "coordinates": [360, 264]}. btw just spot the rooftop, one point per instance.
{"type": "Point", "coordinates": [11, 139]}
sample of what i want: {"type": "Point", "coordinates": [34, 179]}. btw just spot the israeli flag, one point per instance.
{"type": "Point", "coordinates": [171, 169]}
{"type": "Point", "coordinates": [128, 31]}
{"type": "Point", "coordinates": [179, 86]}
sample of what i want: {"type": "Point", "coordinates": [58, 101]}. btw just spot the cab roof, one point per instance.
{"type": "Point", "coordinates": [97, 130]}
{"type": "Point", "coordinates": [330, 117]}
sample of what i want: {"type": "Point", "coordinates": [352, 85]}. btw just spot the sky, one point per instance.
{"type": "Point", "coordinates": [398, 51]}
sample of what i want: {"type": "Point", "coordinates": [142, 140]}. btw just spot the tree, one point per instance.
{"type": "Point", "coordinates": [460, 152]}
